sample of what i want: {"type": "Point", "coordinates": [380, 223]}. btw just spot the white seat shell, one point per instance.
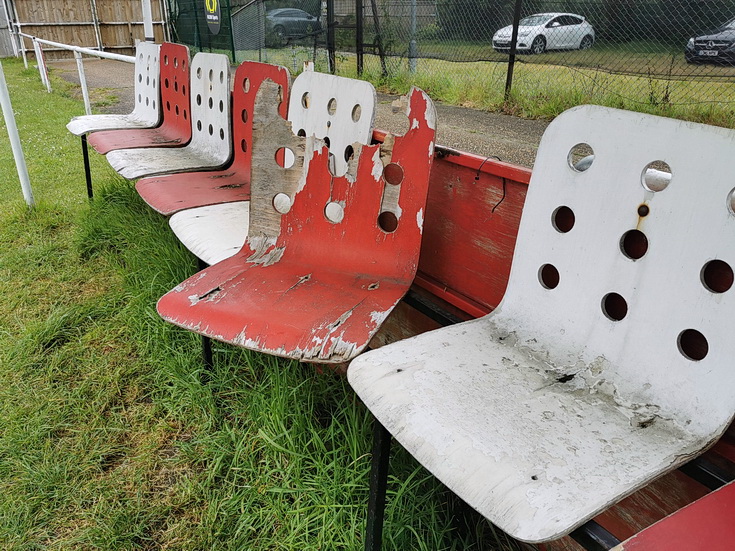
{"type": "Point", "coordinates": [547, 411]}
{"type": "Point", "coordinates": [147, 110]}
{"type": "Point", "coordinates": [211, 141]}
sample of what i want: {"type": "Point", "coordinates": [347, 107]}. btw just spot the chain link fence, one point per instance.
{"type": "Point", "coordinates": [674, 57]}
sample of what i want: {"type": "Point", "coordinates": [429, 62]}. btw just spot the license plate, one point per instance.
{"type": "Point", "coordinates": [710, 53]}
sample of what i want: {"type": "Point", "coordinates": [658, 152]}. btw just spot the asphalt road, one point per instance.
{"type": "Point", "coordinates": [510, 138]}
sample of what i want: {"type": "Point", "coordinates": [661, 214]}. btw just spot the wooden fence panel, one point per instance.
{"type": "Point", "coordinates": [113, 25]}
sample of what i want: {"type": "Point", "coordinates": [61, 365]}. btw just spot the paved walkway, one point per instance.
{"type": "Point", "coordinates": [489, 134]}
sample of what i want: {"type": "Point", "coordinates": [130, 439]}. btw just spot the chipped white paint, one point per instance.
{"type": "Point", "coordinates": [211, 138]}
{"type": "Point", "coordinates": [312, 95]}
{"type": "Point", "coordinates": [212, 233]}
{"type": "Point", "coordinates": [147, 110]}
{"type": "Point", "coordinates": [546, 412]}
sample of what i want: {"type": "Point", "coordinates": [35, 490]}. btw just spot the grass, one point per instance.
{"type": "Point", "coordinates": [112, 433]}
{"type": "Point", "coordinates": [599, 76]}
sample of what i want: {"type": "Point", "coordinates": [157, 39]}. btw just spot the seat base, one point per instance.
{"type": "Point", "coordinates": [136, 163]}
{"type": "Point", "coordinates": [171, 193]}
{"type": "Point", "coordinates": [109, 140]}
{"type": "Point", "coordinates": [214, 232]}
{"type": "Point", "coordinates": [300, 312]}
{"type": "Point", "coordinates": [534, 449]}
{"type": "Point", "coordinates": [95, 123]}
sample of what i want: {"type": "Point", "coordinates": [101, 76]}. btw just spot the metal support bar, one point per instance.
{"type": "Point", "coordinates": [83, 83]}
{"type": "Point", "coordinates": [96, 20]}
{"type": "Point", "coordinates": [706, 473]}
{"type": "Point", "coordinates": [41, 65]}
{"type": "Point", "coordinates": [85, 51]}
{"type": "Point", "coordinates": [378, 485]}
{"type": "Point", "coordinates": [87, 170]}
{"type": "Point", "coordinates": [20, 160]}
{"type": "Point", "coordinates": [412, 47]}
{"type": "Point", "coordinates": [594, 537]}
{"type": "Point", "coordinates": [331, 47]}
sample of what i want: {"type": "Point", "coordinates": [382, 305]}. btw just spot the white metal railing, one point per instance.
{"type": "Point", "coordinates": [20, 160]}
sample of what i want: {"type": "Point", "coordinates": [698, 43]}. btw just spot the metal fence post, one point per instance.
{"type": "Point", "coordinates": [147, 20]}
{"type": "Point", "coordinates": [83, 83]}
{"type": "Point", "coordinates": [359, 36]}
{"type": "Point", "coordinates": [41, 64]}
{"type": "Point", "coordinates": [20, 160]}
{"type": "Point", "coordinates": [330, 36]}
{"type": "Point", "coordinates": [412, 49]}
{"type": "Point", "coordinates": [513, 43]}
{"type": "Point", "coordinates": [21, 44]}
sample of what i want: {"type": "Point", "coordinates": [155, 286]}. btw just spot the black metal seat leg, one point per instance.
{"type": "Point", "coordinates": [378, 484]}
{"type": "Point", "coordinates": [87, 170]}
{"type": "Point", "coordinates": [206, 341]}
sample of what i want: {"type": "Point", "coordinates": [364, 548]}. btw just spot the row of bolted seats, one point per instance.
{"type": "Point", "coordinates": [312, 233]}
{"type": "Point", "coordinates": [605, 365]}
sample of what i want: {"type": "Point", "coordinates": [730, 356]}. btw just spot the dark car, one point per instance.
{"type": "Point", "coordinates": [288, 23]}
{"type": "Point", "coordinates": [715, 46]}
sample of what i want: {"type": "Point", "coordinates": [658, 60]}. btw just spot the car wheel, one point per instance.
{"type": "Point", "coordinates": [586, 43]}
{"type": "Point", "coordinates": [538, 46]}
{"type": "Point", "coordinates": [280, 34]}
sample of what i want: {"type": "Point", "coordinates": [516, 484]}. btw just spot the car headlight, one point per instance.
{"type": "Point", "coordinates": [523, 33]}
{"type": "Point", "coordinates": [690, 44]}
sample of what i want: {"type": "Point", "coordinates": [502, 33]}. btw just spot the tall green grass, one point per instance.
{"type": "Point", "coordinates": [113, 435]}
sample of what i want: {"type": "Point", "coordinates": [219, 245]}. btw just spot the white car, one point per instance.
{"type": "Point", "coordinates": [547, 31]}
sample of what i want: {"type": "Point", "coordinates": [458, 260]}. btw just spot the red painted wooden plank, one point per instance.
{"type": "Point", "coordinates": [175, 129]}
{"type": "Point", "coordinates": [472, 218]}
{"type": "Point", "coordinates": [171, 193]}
{"type": "Point", "coordinates": [706, 524]}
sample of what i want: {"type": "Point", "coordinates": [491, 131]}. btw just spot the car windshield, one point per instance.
{"type": "Point", "coordinates": [729, 26]}
{"type": "Point", "coordinates": [533, 20]}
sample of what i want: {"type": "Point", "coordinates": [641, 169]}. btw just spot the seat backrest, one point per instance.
{"type": "Point", "coordinates": [211, 131]}
{"type": "Point", "coordinates": [248, 78]}
{"type": "Point", "coordinates": [147, 83]}
{"type": "Point", "coordinates": [343, 222]}
{"type": "Point", "coordinates": [175, 90]}
{"type": "Point", "coordinates": [623, 278]}
{"type": "Point", "coordinates": [338, 110]}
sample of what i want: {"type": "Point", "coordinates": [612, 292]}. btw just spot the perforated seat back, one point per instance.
{"type": "Point", "coordinates": [175, 89]}
{"type": "Point", "coordinates": [210, 106]}
{"type": "Point", "coordinates": [339, 110]}
{"type": "Point", "coordinates": [248, 79]}
{"type": "Point", "coordinates": [624, 276]}
{"type": "Point", "coordinates": [147, 83]}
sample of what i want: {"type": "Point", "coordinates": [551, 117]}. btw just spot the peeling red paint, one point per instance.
{"type": "Point", "coordinates": [175, 128]}
{"type": "Point", "coordinates": [170, 193]}
{"type": "Point", "coordinates": [357, 271]}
